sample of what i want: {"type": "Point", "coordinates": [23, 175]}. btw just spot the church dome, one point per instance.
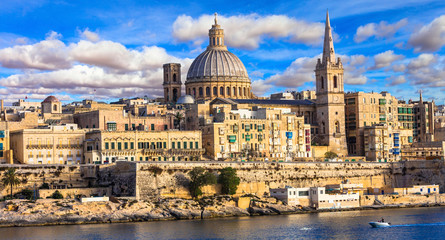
{"type": "Point", "coordinates": [217, 62]}
{"type": "Point", "coordinates": [186, 99]}
{"type": "Point", "coordinates": [217, 72]}
{"type": "Point", "coordinates": [51, 99]}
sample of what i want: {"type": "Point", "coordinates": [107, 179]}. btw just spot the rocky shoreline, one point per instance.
{"type": "Point", "coordinates": [43, 212]}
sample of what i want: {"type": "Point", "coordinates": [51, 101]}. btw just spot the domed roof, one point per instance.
{"type": "Point", "coordinates": [51, 99]}
{"type": "Point", "coordinates": [186, 99]}
{"type": "Point", "coordinates": [215, 62]}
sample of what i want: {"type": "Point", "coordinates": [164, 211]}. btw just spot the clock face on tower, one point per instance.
{"type": "Point", "coordinates": [335, 98]}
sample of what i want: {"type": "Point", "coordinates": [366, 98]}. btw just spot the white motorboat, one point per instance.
{"type": "Point", "coordinates": [379, 224]}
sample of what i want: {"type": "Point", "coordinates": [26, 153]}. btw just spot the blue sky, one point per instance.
{"type": "Point", "coordinates": [113, 49]}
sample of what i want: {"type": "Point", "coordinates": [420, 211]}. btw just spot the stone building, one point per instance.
{"type": "Point", "coordinates": [172, 145]}
{"type": "Point", "coordinates": [363, 110]}
{"type": "Point", "coordinates": [50, 145]}
{"type": "Point", "coordinates": [121, 121]}
{"type": "Point", "coordinates": [217, 72]}
{"type": "Point", "coordinates": [51, 105]}
{"type": "Point", "coordinates": [172, 82]}
{"type": "Point", "coordinates": [275, 134]}
{"type": "Point", "coordinates": [424, 151]}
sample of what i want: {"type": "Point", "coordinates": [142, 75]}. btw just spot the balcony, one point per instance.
{"type": "Point", "coordinates": [66, 146]}
{"type": "Point", "coordinates": [39, 146]}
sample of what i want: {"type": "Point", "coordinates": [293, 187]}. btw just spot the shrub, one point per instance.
{"type": "Point", "coordinates": [44, 186]}
{"type": "Point", "coordinates": [330, 155]}
{"type": "Point", "coordinates": [57, 195]}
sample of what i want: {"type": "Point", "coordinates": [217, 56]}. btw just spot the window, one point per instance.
{"type": "Point", "coordinates": [132, 145]}
{"type": "Point", "coordinates": [191, 144]}
{"type": "Point", "coordinates": [174, 77]}
{"type": "Point", "coordinates": [335, 81]}
{"type": "Point", "coordinates": [207, 91]}
{"type": "Point", "coordinates": [111, 126]}
{"type": "Point", "coordinates": [119, 146]}
{"type": "Point", "coordinates": [221, 91]}
{"type": "Point", "coordinates": [152, 127]}
{"type": "Point", "coordinates": [112, 145]}
{"type": "Point", "coordinates": [200, 91]}
{"type": "Point", "coordinates": [185, 145]}
{"type": "Point", "coordinates": [173, 145]}
{"type": "Point", "coordinates": [322, 83]}
{"type": "Point", "coordinates": [126, 127]}
{"type": "Point", "coordinates": [215, 91]}
{"type": "Point", "coordinates": [125, 145]}
{"type": "Point", "coordinates": [133, 126]}
{"type": "Point", "coordinates": [196, 145]}
{"type": "Point", "coordinates": [106, 145]}
{"type": "Point", "coordinates": [179, 145]}
{"type": "Point", "coordinates": [228, 91]}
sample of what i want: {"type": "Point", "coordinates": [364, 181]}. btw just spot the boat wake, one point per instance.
{"type": "Point", "coordinates": [305, 229]}
{"type": "Point", "coordinates": [419, 225]}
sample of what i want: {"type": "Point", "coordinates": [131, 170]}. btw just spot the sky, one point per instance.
{"type": "Point", "coordinates": [108, 50]}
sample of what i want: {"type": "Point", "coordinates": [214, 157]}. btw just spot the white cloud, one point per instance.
{"type": "Point", "coordinates": [248, 31]}
{"type": "Point", "coordinates": [91, 36]}
{"type": "Point", "coordinates": [299, 72]}
{"type": "Point", "coordinates": [48, 54]}
{"type": "Point", "coordinates": [381, 30]}
{"type": "Point", "coordinates": [395, 80]}
{"type": "Point", "coordinates": [429, 38]}
{"type": "Point", "coordinates": [260, 87]}
{"type": "Point", "coordinates": [385, 59]}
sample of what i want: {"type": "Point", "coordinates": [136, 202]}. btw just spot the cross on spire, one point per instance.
{"type": "Point", "coordinates": [216, 20]}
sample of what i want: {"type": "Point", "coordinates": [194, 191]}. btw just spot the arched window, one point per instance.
{"type": "Point", "coordinates": [194, 92]}
{"type": "Point", "coordinates": [55, 107]}
{"type": "Point", "coordinates": [337, 127]}
{"type": "Point", "coordinates": [215, 91]}
{"type": "Point", "coordinates": [175, 94]}
{"type": "Point", "coordinates": [245, 92]}
{"type": "Point", "coordinates": [207, 91]}
{"type": "Point", "coordinates": [322, 83]}
{"type": "Point", "coordinates": [200, 92]}
{"type": "Point", "coordinates": [324, 128]}
{"type": "Point", "coordinates": [221, 91]}
{"type": "Point", "coordinates": [228, 91]}
{"type": "Point", "coordinates": [166, 95]}
{"type": "Point", "coordinates": [234, 91]}
{"type": "Point", "coordinates": [239, 91]}
{"type": "Point", "coordinates": [335, 81]}
{"type": "Point", "coordinates": [174, 77]}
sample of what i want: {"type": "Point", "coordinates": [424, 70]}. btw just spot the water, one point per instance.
{"type": "Point", "coordinates": [418, 223]}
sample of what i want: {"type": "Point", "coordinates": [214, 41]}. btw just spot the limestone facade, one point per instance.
{"type": "Point", "coordinates": [52, 145]}
{"type": "Point", "coordinates": [273, 134]}
{"type": "Point", "coordinates": [172, 82]}
{"type": "Point", "coordinates": [172, 145]}
{"type": "Point", "coordinates": [330, 110]}
{"type": "Point", "coordinates": [424, 151]}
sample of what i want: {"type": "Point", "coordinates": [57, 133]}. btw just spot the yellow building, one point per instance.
{"type": "Point", "coordinates": [51, 145]}
{"type": "Point", "coordinates": [424, 151]}
{"type": "Point", "coordinates": [171, 145]}
{"type": "Point", "coordinates": [273, 134]}
{"type": "Point", "coordinates": [5, 152]}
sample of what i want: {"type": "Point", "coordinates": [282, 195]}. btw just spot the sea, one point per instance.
{"type": "Point", "coordinates": [406, 223]}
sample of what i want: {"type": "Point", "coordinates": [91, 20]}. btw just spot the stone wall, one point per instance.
{"type": "Point", "coordinates": [389, 199]}
{"type": "Point", "coordinates": [73, 192]}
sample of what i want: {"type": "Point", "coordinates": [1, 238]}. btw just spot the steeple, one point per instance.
{"type": "Point", "coordinates": [421, 100]}
{"type": "Point", "coordinates": [216, 36]}
{"type": "Point", "coordinates": [328, 46]}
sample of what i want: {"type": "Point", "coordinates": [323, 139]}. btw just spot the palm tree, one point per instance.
{"type": "Point", "coordinates": [178, 118]}
{"type": "Point", "coordinates": [10, 178]}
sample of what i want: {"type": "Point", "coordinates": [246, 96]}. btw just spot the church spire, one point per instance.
{"type": "Point", "coordinates": [328, 46]}
{"type": "Point", "coordinates": [421, 99]}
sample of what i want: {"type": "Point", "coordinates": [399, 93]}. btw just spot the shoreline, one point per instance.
{"type": "Point", "coordinates": [175, 214]}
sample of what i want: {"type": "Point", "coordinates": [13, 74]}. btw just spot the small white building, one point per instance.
{"type": "Point", "coordinates": [315, 197]}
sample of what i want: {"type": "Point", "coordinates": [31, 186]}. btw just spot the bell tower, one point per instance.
{"type": "Point", "coordinates": [172, 82]}
{"type": "Point", "coordinates": [330, 97]}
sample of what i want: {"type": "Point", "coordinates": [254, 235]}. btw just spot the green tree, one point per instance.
{"type": "Point", "coordinates": [178, 119]}
{"type": "Point", "coordinates": [57, 195]}
{"type": "Point", "coordinates": [10, 178]}
{"type": "Point", "coordinates": [200, 177]}
{"type": "Point", "coordinates": [229, 180]}
{"type": "Point", "coordinates": [330, 155]}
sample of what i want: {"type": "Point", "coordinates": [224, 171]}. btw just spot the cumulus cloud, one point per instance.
{"type": "Point", "coordinates": [112, 69]}
{"type": "Point", "coordinates": [299, 72]}
{"type": "Point", "coordinates": [429, 38]}
{"type": "Point", "coordinates": [49, 54]}
{"type": "Point", "coordinates": [395, 80]}
{"type": "Point", "coordinates": [248, 31]}
{"type": "Point", "coordinates": [427, 70]}
{"type": "Point", "coordinates": [385, 59]}
{"type": "Point", "coordinates": [381, 30]}
{"type": "Point", "coordinates": [91, 36]}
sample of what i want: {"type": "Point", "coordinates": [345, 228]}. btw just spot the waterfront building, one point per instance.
{"type": "Point", "coordinates": [273, 134]}
{"type": "Point", "coordinates": [416, 189]}
{"type": "Point", "coordinates": [103, 146]}
{"type": "Point", "coordinates": [26, 105]}
{"type": "Point", "coordinates": [58, 144]}
{"type": "Point", "coordinates": [315, 197]}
